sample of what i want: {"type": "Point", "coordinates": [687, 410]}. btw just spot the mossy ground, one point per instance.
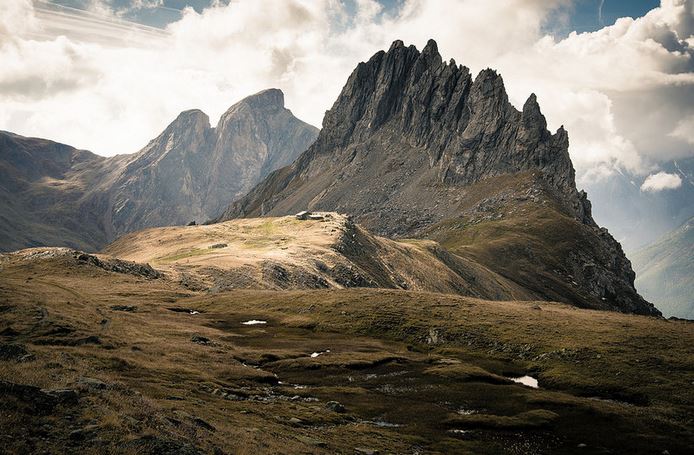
{"type": "Point", "coordinates": [416, 372]}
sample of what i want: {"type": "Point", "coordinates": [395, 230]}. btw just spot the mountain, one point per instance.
{"type": "Point", "coordinates": [639, 218]}
{"type": "Point", "coordinates": [414, 146]}
{"type": "Point", "coordinates": [664, 272]}
{"type": "Point", "coordinates": [53, 194]}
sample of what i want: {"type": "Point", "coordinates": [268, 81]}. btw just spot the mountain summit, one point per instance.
{"type": "Point", "coordinates": [443, 126]}
{"type": "Point", "coordinates": [191, 170]}
{"type": "Point", "coordinates": [53, 194]}
{"type": "Point", "coordinates": [415, 146]}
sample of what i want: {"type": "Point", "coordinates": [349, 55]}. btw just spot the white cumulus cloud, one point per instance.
{"type": "Point", "coordinates": [661, 181]}
{"type": "Point", "coordinates": [625, 93]}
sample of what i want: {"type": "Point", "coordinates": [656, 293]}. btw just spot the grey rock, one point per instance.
{"type": "Point", "coordinates": [27, 397]}
{"type": "Point", "coordinates": [83, 433]}
{"type": "Point", "coordinates": [405, 139]}
{"type": "Point", "coordinates": [117, 266]}
{"type": "Point", "coordinates": [126, 308]}
{"type": "Point", "coordinates": [63, 396]}
{"type": "Point", "coordinates": [335, 406]}
{"type": "Point", "coordinates": [14, 352]}
{"type": "Point", "coordinates": [199, 339]}
{"type": "Point", "coordinates": [203, 424]}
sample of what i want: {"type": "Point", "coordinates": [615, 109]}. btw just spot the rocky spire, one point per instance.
{"type": "Point", "coordinates": [468, 127]}
{"type": "Point", "coordinates": [414, 145]}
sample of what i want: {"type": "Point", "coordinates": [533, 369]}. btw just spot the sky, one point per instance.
{"type": "Point", "coordinates": [109, 75]}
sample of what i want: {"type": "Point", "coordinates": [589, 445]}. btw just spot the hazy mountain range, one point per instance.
{"type": "Point", "coordinates": [636, 217]}
{"type": "Point", "coordinates": [664, 272]}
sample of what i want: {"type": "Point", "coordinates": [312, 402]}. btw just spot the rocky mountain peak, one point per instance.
{"type": "Point", "coordinates": [396, 44]}
{"type": "Point", "coordinates": [187, 123]}
{"type": "Point", "coordinates": [431, 53]}
{"type": "Point", "coordinates": [187, 133]}
{"type": "Point", "coordinates": [191, 170]}
{"type": "Point", "coordinates": [272, 97]}
{"type": "Point", "coordinates": [265, 103]}
{"type": "Point", "coordinates": [415, 146]}
{"type": "Point", "coordinates": [191, 117]}
{"type": "Point", "coordinates": [468, 127]}
{"type": "Point", "coordinates": [270, 100]}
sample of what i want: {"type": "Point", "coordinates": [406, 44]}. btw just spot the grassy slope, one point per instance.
{"type": "Point", "coordinates": [525, 249]}
{"type": "Point", "coordinates": [517, 228]}
{"type": "Point", "coordinates": [332, 252]}
{"type": "Point", "coordinates": [427, 362]}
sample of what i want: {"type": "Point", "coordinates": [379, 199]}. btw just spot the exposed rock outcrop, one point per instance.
{"type": "Point", "coordinates": [192, 170]}
{"type": "Point", "coordinates": [404, 148]}
{"type": "Point", "coordinates": [430, 115]}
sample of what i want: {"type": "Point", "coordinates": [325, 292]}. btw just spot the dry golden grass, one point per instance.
{"type": "Point", "coordinates": [424, 361]}
{"type": "Point", "coordinates": [285, 253]}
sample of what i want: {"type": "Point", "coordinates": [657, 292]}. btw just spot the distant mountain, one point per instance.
{"type": "Point", "coordinates": [665, 272]}
{"type": "Point", "coordinates": [53, 194]}
{"type": "Point", "coordinates": [414, 146]}
{"type": "Point", "coordinates": [637, 218]}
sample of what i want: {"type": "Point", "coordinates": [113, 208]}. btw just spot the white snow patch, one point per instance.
{"type": "Point", "coordinates": [528, 381]}
{"type": "Point", "coordinates": [254, 322]}
{"type": "Point", "coordinates": [316, 354]}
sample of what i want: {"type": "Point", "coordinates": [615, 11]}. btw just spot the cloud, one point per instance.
{"type": "Point", "coordinates": [120, 8]}
{"type": "Point", "coordinates": [661, 181]}
{"type": "Point", "coordinates": [146, 4]}
{"type": "Point", "coordinates": [624, 93]}
{"type": "Point", "coordinates": [15, 18]}
{"type": "Point", "coordinates": [685, 129]}
{"type": "Point", "coordinates": [636, 77]}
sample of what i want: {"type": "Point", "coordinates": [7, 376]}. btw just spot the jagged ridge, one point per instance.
{"type": "Point", "coordinates": [466, 128]}
{"type": "Point", "coordinates": [403, 147]}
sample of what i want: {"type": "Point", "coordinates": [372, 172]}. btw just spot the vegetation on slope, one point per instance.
{"type": "Point", "coordinates": [96, 361]}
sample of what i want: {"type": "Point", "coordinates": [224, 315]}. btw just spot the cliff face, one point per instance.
{"type": "Point", "coordinates": [191, 170]}
{"type": "Point", "coordinates": [468, 128]}
{"type": "Point", "coordinates": [405, 148]}
{"type": "Point", "coordinates": [53, 194]}
{"type": "Point", "coordinates": [461, 129]}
